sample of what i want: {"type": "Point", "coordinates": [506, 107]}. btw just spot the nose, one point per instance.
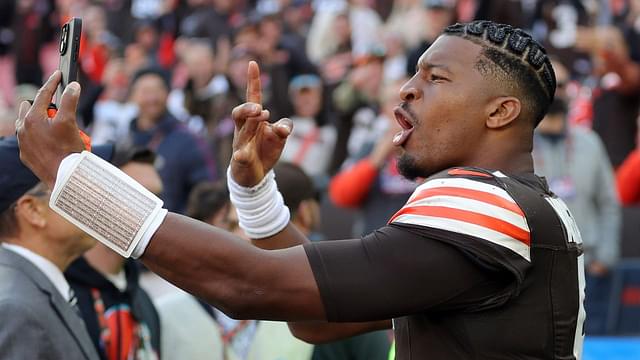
{"type": "Point", "coordinates": [410, 92]}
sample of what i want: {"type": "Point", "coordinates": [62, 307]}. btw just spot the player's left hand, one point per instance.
{"type": "Point", "coordinates": [257, 144]}
{"type": "Point", "coordinates": [45, 142]}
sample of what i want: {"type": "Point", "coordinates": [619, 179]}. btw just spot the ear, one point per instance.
{"type": "Point", "coordinates": [31, 210]}
{"type": "Point", "coordinates": [502, 111]}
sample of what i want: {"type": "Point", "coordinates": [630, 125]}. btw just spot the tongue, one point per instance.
{"type": "Point", "coordinates": [401, 137]}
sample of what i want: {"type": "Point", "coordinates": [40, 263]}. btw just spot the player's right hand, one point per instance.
{"type": "Point", "coordinates": [257, 144]}
{"type": "Point", "coordinates": [45, 142]}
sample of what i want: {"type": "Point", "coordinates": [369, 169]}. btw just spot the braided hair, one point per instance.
{"type": "Point", "coordinates": [513, 56]}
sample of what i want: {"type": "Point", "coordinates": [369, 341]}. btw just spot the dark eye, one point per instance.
{"type": "Point", "coordinates": [436, 78]}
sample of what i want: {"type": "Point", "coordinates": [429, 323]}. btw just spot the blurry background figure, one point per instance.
{"type": "Point", "coordinates": [578, 171]}
{"type": "Point", "coordinates": [38, 308]}
{"type": "Point", "coordinates": [113, 113]}
{"type": "Point", "coordinates": [628, 176]}
{"type": "Point", "coordinates": [438, 14]}
{"type": "Point", "coordinates": [9, 114]}
{"type": "Point", "coordinates": [333, 57]}
{"type": "Point", "coordinates": [407, 20]}
{"type": "Point", "coordinates": [118, 313]}
{"type": "Point", "coordinates": [195, 330]}
{"type": "Point", "coordinates": [369, 180]}
{"type": "Point", "coordinates": [204, 103]}
{"type": "Point", "coordinates": [300, 197]}
{"type": "Point", "coordinates": [311, 143]}
{"type": "Point", "coordinates": [183, 158]}
{"type": "Point", "coordinates": [356, 102]}
{"type": "Point", "coordinates": [32, 28]}
{"type": "Point", "coordinates": [328, 31]}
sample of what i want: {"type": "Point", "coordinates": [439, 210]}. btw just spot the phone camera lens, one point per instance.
{"type": "Point", "coordinates": [64, 39]}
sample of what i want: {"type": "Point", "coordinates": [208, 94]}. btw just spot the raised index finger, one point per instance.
{"type": "Point", "coordinates": [254, 88]}
{"type": "Point", "coordinates": [45, 94]}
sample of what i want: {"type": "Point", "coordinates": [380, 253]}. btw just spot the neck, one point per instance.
{"type": "Point", "coordinates": [60, 256]}
{"type": "Point", "coordinates": [510, 157]}
{"type": "Point", "coordinates": [147, 122]}
{"type": "Point", "coordinates": [104, 260]}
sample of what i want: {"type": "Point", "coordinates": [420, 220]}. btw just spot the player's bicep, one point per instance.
{"type": "Point", "coordinates": [392, 273]}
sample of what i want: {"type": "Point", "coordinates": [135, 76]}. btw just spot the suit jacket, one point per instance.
{"type": "Point", "coordinates": [36, 322]}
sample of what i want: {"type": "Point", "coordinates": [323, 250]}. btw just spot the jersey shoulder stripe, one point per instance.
{"type": "Point", "coordinates": [470, 207]}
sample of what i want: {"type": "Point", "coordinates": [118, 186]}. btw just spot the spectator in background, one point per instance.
{"type": "Point", "coordinates": [370, 180]}
{"type": "Point", "coordinates": [280, 61]}
{"type": "Point", "coordinates": [395, 63]}
{"type": "Point", "coordinates": [368, 26]}
{"type": "Point", "coordinates": [300, 196]}
{"type": "Point", "coordinates": [356, 101]}
{"type": "Point", "coordinates": [112, 113]}
{"type": "Point", "coordinates": [193, 329]}
{"type": "Point", "coordinates": [628, 177]}
{"type": "Point", "coordinates": [98, 43]}
{"type": "Point", "coordinates": [118, 313]}
{"type": "Point", "coordinates": [296, 17]}
{"type": "Point", "coordinates": [557, 24]}
{"type": "Point", "coordinates": [311, 144]}
{"type": "Point", "coordinates": [437, 15]}
{"type": "Point", "coordinates": [32, 27]}
{"type": "Point", "coordinates": [8, 115]}
{"type": "Point", "coordinates": [183, 158]}
{"type": "Point", "coordinates": [208, 19]}
{"type": "Point", "coordinates": [616, 75]}
{"type": "Point", "coordinates": [407, 21]}
{"type": "Point", "coordinates": [578, 171]}
{"type": "Point", "coordinates": [36, 246]}
{"type": "Point", "coordinates": [203, 103]}
{"type": "Point", "coordinates": [501, 11]}
{"type": "Point", "coordinates": [333, 57]}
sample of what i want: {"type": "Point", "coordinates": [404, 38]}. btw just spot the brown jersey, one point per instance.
{"type": "Point", "coordinates": [476, 265]}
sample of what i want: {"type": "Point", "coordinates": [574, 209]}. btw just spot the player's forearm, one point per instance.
{"type": "Point", "coordinates": [288, 237]}
{"type": "Point", "coordinates": [229, 273]}
{"type": "Point", "coordinates": [316, 332]}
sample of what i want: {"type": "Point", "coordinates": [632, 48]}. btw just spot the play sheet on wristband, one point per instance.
{"type": "Point", "coordinates": [104, 202]}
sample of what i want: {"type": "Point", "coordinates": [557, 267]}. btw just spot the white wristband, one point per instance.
{"type": "Point", "coordinates": [261, 209]}
{"type": "Point", "coordinates": [106, 203]}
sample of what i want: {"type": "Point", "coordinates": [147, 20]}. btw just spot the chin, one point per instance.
{"type": "Point", "coordinates": [408, 167]}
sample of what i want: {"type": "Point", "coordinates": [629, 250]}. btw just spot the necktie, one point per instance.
{"type": "Point", "coordinates": [73, 302]}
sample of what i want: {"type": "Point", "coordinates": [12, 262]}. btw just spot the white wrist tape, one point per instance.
{"type": "Point", "coordinates": [106, 203]}
{"type": "Point", "coordinates": [261, 210]}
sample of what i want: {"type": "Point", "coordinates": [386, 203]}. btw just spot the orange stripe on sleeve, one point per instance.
{"type": "Point", "coordinates": [469, 194]}
{"type": "Point", "coordinates": [467, 172]}
{"type": "Point", "coordinates": [488, 222]}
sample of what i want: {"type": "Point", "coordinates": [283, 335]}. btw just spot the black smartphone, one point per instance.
{"type": "Point", "coordinates": [69, 52]}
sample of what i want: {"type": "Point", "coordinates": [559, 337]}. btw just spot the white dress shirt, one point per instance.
{"type": "Point", "coordinates": [50, 270]}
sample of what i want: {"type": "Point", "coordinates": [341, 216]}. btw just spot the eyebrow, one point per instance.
{"type": "Point", "coordinates": [428, 65]}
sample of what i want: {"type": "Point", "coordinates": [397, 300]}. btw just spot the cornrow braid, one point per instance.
{"type": "Point", "coordinates": [518, 55]}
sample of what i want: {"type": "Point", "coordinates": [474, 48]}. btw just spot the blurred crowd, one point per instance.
{"type": "Point", "coordinates": [164, 75]}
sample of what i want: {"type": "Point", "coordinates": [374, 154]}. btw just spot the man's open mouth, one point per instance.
{"type": "Point", "coordinates": [404, 120]}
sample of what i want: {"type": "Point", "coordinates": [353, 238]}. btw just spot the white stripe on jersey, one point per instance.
{"type": "Point", "coordinates": [573, 235]}
{"type": "Point", "coordinates": [464, 184]}
{"type": "Point", "coordinates": [476, 206]}
{"type": "Point", "coordinates": [463, 227]}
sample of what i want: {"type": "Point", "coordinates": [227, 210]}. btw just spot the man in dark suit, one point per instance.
{"type": "Point", "coordinates": [37, 309]}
